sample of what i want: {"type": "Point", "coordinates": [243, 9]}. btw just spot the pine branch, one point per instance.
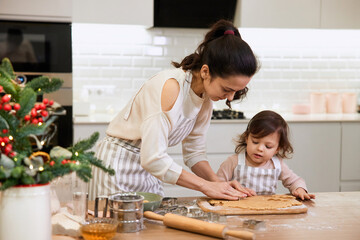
{"type": "Point", "coordinates": [43, 84]}
{"type": "Point", "coordinates": [11, 120]}
{"type": "Point", "coordinates": [96, 162]}
{"type": "Point", "coordinates": [7, 84]}
{"type": "Point", "coordinates": [6, 69]}
{"type": "Point", "coordinates": [3, 123]}
{"type": "Point", "coordinates": [85, 144]}
{"type": "Point", "coordinates": [26, 101]}
{"type": "Point", "coordinates": [8, 184]}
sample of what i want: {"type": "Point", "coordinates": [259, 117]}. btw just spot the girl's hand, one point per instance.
{"type": "Point", "coordinates": [225, 190]}
{"type": "Point", "coordinates": [302, 194]}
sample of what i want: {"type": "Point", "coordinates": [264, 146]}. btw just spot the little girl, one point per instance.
{"type": "Point", "coordinates": [258, 163]}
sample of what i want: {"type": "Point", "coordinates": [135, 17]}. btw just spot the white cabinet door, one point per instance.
{"type": "Point", "coordinates": [36, 10]}
{"type": "Point", "coordinates": [278, 13]}
{"type": "Point", "coordinates": [350, 151]}
{"type": "Point", "coordinates": [317, 154]}
{"type": "Point", "coordinates": [134, 12]}
{"type": "Point", "coordinates": [340, 14]}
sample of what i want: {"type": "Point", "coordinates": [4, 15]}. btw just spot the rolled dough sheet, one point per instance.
{"type": "Point", "coordinates": [272, 204]}
{"type": "Point", "coordinates": [261, 202]}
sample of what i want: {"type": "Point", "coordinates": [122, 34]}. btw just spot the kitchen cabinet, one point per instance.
{"type": "Point", "coordinates": [317, 146]}
{"type": "Point", "coordinates": [36, 10]}
{"type": "Point", "coordinates": [325, 152]}
{"type": "Point", "coordinates": [350, 156]}
{"type": "Point", "coordinates": [135, 12]}
{"type": "Point", "coordinates": [329, 14]}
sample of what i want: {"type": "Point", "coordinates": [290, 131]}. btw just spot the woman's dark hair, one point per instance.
{"type": "Point", "coordinates": [225, 54]}
{"type": "Point", "coordinates": [263, 124]}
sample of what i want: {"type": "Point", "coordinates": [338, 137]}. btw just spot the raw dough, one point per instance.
{"type": "Point", "coordinates": [260, 202]}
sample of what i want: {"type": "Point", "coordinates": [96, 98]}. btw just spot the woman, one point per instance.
{"type": "Point", "coordinates": [176, 106]}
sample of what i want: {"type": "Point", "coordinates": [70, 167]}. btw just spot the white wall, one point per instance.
{"type": "Point", "coordinates": [112, 61]}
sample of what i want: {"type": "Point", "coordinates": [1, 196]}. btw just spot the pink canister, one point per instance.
{"type": "Point", "coordinates": [333, 103]}
{"type": "Point", "coordinates": [348, 102]}
{"type": "Point", "coordinates": [317, 102]}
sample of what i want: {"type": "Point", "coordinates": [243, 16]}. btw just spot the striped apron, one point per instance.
{"type": "Point", "coordinates": [124, 157]}
{"type": "Point", "coordinates": [262, 181]}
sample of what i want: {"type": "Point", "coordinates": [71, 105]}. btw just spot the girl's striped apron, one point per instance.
{"type": "Point", "coordinates": [262, 181]}
{"type": "Point", "coordinates": [124, 157]}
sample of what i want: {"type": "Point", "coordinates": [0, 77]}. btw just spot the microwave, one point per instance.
{"type": "Point", "coordinates": [42, 49]}
{"type": "Point", "coordinates": [37, 46]}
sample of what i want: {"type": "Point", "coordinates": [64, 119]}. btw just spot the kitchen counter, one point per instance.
{"type": "Point", "coordinates": [332, 215]}
{"type": "Point", "coordinates": [103, 118]}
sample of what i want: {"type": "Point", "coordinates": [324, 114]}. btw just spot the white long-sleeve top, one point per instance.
{"type": "Point", "coordinates": [187, 121]}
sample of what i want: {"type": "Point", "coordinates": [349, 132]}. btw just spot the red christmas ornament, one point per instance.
{"type": "Point", "coordinates": [45, 101]}
{"type": "Point", "coordinates": [27, 118]}
{"type": "Point", "coordinates": [52, 163]}
{"type": "Point", "coordinates": [37, 106]}
{"type": "Point", "coordinates": [5, 131]}
{"type": "Point", "coordinates": [51, 102]}
{"type": "Point", "coordinates": [35, 121]}
{"type": "Point", "coordinates": [1, 88]}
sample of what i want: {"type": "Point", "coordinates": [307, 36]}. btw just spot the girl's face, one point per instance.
{"type": "Point", "coordinates": [218, 88]}
{"type": "Point", "coordinates": [261, 150]}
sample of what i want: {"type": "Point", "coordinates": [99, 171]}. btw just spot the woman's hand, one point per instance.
{"type": "Point", "coordinates": [225, 190]}
{"type": "Point", "coordinates": [302, 194]}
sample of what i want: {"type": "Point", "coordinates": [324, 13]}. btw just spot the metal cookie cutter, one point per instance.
{"type": "Point", "coordinates": [254, 224]}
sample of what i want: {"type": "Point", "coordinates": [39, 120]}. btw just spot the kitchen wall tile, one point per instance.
{"type": "Point", "coordinates": [161, 40]}
{"type": "Point", "coordinates": [112, 65]}
{"type": "Point", "coordinates": [121, 61]}
{"type": "Point", "coordinates": [142, 61]}
{"type": "Point", "coordinates": [154, 51]}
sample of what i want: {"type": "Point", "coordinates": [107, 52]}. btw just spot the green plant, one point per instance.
{"type": "Point", "coordinates": [22, 120]}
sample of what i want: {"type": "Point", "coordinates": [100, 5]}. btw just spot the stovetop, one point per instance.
{"type": "Point", "coordinates": [227, 114]}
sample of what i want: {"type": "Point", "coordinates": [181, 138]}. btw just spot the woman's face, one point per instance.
{"type": "Point", "coordinates": [218, 88]}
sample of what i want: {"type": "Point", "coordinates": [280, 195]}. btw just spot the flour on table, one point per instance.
{"type": "Point", "coordinates": [261, 202]}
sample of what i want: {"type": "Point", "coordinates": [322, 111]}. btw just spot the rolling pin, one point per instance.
{"type": "Point", "coordinates": [198, 226]}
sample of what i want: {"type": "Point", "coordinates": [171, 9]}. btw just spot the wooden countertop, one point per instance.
{"type": "Point", "coordinates": [333, 215]}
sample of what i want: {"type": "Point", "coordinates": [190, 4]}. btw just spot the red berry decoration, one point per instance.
{"type": "Point", "coordinates": [12, 154]}
{"type": "Point", "coordinates": [37, 106]}
{"type": "Point", "coordinates": [40, 119]}
{"type": "Point", "coordinates": [45, 101]}
{"type": "Point", "coordinates": [33, 112]}
{"type": "Point", "coordinates": [1, 88]}
{"type": "Point", "coordinates": [5, 139]}
{"type": "Point", "coordinates": [52, 163]}
{"type": "Point", "coordinates": [42, 106]}
{"type": "Point", "coordinates": [64, 161]}
{"type": "Point", "coordinates": [5, 131]}
{"type": "Point", "coordinates": [17, 106]}
{"type": "Point", "coordinates": [51, 102]}
{"type": "Point", "coordinates": [44, 113]}
{"type": "Point", "coordinates": [35, 121]}
{"type": "Point", "coordinates": [7, 107]}
{"type": "Point", "coordinates": [27, 118]}
{"type": "Point", "coordinates": [5, 98]}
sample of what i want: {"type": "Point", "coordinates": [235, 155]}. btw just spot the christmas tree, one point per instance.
{"type": "Point", "coordinates": [22, 120]}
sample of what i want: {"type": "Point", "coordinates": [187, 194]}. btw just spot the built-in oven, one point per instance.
{"type": "Point", "coordinates": [43, 48]}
